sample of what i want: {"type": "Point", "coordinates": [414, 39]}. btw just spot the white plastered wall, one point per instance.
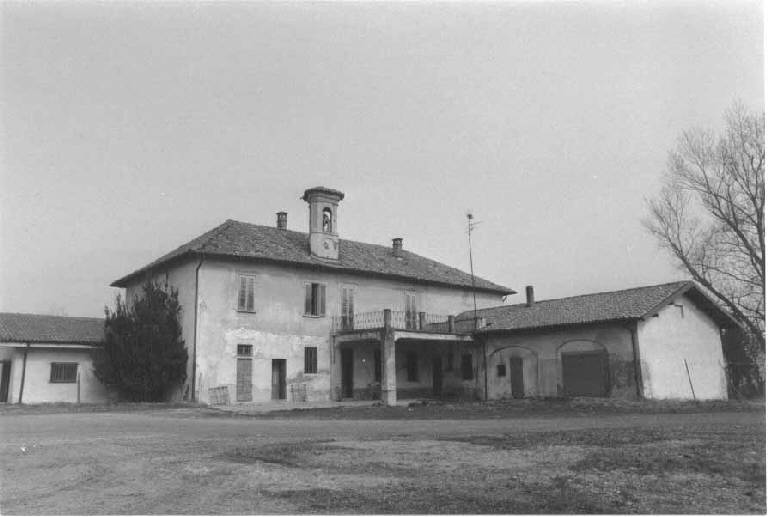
{"type": "Point", "coordinates": [681, 334]}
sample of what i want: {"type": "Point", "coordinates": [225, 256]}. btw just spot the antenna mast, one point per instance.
{"type": "Point", "coordinates": [470, 226]}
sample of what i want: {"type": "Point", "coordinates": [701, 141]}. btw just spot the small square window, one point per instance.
{"type": "Point", "coordinates": [64, 372]}
{"type": "Point", "coordinates": [245, 350]}
{"type": "Point", "coordinates": [310, 359]}
{"type": "Point", "coordinates": [501, 370]}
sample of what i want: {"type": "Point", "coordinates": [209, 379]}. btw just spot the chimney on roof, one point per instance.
{"type": "Point", "coordinates": [397, 247]}
{"type": "Point", "coordinates": [529, 300]}
{"type": "Point", "coordinates": [282, 220]}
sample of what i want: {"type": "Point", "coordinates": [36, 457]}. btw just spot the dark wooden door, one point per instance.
{"type": "Point", "coordinates": [244, 380]}
{"type": "Point", "coordinates": [585, 374]}
{"type": "Point", "coordinates": [5, 379]}
{"type": "Point", "coordinates": [437, 376]}
{"type": "Point", "coordinates": [278, 379]}
{"type": "Point", "coordinates": [516, 376]}
{"type": "Point", "coordinates": [347, 372]}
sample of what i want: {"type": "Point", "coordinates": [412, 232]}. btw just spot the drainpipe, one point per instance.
{"type": "Point", "coordinates": [632, 328]}
{"type": "Point", "coordinates": [23, 373]}
{"type": "Point", "coordinates": [194, 334]}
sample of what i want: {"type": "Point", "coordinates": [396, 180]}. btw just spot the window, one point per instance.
{"type": "Point", "coordinates": [466, 367]}
{"type": "Point", "coordinates": [245, 350]}
{"type": "Point", "coordinates": [347, 308]}
{"type": "Point", "coordinates": [501, 370]}
{"type": "Point", "coordinates": [246, 293]}
{"type": "Point", "coordinates": [412, 365]}
{"type": "Point", "coordinates": [64, 372]}
{"type": "Point", "coordinates": [449, 363]}
{"type": "Point", "coordinates": [410, 310]}
{"type": "Point", "coordinates": [377, 365]}
{"type": "Point", "coordinates": [314, 301]}
{"type": "Point", "coordinates": [310, 359]}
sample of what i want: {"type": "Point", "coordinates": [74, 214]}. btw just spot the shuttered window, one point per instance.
{"type": "Point", "coordinates": [347, 308]}
{"type": "Point", "coordinates": [310, 359]}
{"type": "Point", "coordinates": [410, 310]}
{"type": "Point", "coordinates": [64, 372]}
{"type": "Point", "coordinates": [246, 293]}
{"type": "Point", "coordinates": [314, 300]}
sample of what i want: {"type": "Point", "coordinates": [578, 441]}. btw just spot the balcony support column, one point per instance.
{"type": "Point", "coordinates": [388, 370]}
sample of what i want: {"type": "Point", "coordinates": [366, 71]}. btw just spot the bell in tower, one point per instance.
{"type": "Point", "coordinates": [323, 229]}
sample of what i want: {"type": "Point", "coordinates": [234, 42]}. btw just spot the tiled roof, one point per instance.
{"type": "Point", "coordinates": [244, 240]}
{"type": "Point", "coordinates": [628, 304]}
{"type": "Point", "coordinates": [40, 328]}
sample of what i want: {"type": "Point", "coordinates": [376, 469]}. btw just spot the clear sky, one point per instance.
{"type": "Point", "coordinates": [128, 129]}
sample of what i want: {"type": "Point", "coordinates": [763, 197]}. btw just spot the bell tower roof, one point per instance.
{"type": "Point", "coordinates": [325, 191]}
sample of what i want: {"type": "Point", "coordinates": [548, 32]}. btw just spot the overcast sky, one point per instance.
{"type": "Point", "coordinates": [128, 129]}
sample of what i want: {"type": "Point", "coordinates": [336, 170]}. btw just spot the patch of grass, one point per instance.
{"type": "Point", "coordinates": [619, 437]}
{"type": "Point", "coordinates": [729, 459]}
{"type": "Point", "coordinates": [289, 454]}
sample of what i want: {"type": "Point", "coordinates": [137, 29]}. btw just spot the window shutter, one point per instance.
{"type": "Point", "coordinates": [308, 299]}
{"type": "Point", "coordinates": [351, 303]}
{"type": "Point", "coordinates": [241, 294]}
{"type": "Point", "coordinates": [250, 295]}
{"type": "Point", "coordinates": [321, 296]}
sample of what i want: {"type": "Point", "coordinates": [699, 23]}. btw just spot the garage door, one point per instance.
{"type": "Point", "coordinates": [585, 374]}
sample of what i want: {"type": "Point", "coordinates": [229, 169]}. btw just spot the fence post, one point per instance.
{"type": "Point", "coordinates": [451, 324]}
{"type": "Point", "coordinates": [422, 320]}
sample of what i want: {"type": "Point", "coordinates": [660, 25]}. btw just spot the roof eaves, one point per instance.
{"type": "Point", "coordinates": [553, 326]}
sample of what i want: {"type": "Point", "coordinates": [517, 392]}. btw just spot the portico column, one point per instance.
{"type": "Point", "coordinates": [388, 371]}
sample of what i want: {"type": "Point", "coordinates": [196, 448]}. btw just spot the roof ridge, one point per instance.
{"type": "Point", "coordinates": [587, 294]}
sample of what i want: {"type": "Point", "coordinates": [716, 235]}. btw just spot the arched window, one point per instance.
{"type": "Point", "coordinates": [327, 221]}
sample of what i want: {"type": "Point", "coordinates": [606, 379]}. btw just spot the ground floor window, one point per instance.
{"type": "Point", "coordinates": [412, 366]}
{"type": "Point", "coordinates": [64, 372]}
{"type": "Point", "coordinates": [466, 367]}
{"type": "Point", "coordinates": [377, 364]}
{"type": "Point", "coordinates": [310, 359]}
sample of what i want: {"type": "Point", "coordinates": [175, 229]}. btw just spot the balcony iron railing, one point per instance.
{"type": "Point", "coordinates": [401, 320]}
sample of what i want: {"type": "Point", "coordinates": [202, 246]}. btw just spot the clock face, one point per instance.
{"type": "Point", "coordinates": [327, 244]}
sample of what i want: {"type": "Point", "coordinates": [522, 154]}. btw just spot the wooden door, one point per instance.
{"type": "Point", "coordinates": [278, 379]}
{"type": "Point", "coordinates": [347, 372]}
{"type": "Point", "coordinates": [244, 386]}
{"type": "Point", "coordinates": [585, 374]}
{"type": "Point", "coordinates": [5, 380]}
{"type": "Point", "coordinates": [516, 376]}
{"type": "Point", "coordinates": [437, 376]}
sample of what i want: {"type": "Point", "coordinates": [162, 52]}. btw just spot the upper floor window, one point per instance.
{"type": "Point", "coordinates": [314, 300]}
{"type": "Point", "coordinates": [245, 350]}
{"type": "Point", "coordinates": [347, 308]}
{"type": "Point", "coordinates": [245, 297]}
{"type": "Point", "coordinates": [64, 372]}
{"type": "Point", "coordinates": [411, 316]}
{"type": "Point", "coordinates": [327, 220]}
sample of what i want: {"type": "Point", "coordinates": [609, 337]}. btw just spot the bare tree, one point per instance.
{"type": "Point", "coordinates": [710, 214]}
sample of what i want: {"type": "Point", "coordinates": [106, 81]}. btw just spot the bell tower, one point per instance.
{"type": "Point", "coordinates": [323, 230]}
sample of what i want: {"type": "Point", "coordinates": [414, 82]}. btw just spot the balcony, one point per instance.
{"type": "Point", "coordinates": [401, 320]}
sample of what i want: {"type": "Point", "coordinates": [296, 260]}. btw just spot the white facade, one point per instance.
{"type": "Point", "coordinates": [681, 354]}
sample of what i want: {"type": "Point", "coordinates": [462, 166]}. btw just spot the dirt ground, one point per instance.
{"type": "Point", "coordinates": [188, 460]}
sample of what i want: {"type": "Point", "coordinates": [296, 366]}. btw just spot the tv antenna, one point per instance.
{"type": "Point", "coordinates": [471, 223]}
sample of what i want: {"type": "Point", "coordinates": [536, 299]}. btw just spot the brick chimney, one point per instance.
{"type": "Point", "coordinates": [282, 221]}
{"type": "Point", "coordinates": [397, 246]}
{"type": "Point", "coordinates": [529, 300]}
